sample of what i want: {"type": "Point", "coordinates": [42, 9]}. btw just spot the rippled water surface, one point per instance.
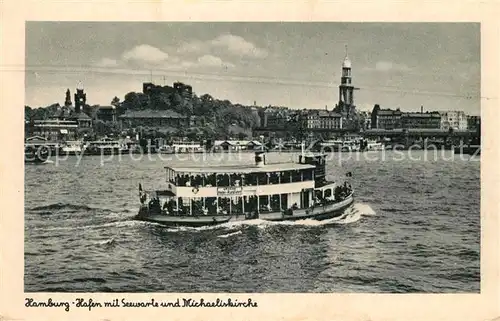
{"type": "Point", "coordinates": [415, 227]}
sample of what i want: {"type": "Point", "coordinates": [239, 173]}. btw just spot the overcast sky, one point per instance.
{"type": "Point", "coordinates": [291, 64]}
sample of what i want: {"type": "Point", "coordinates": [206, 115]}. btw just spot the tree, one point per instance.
{"type": "Point", "coordinates": [115, 101]}
{"type": "Point", "coordinates": [242, 136]}
{"type": "Point", "coordinates": [27, 113]}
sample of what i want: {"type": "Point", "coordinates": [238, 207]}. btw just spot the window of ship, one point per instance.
{"type": "Point", "coordinates": [196, 180]}
{"type": "Point", "coordinates": [250, 179]}
{"type": "Point", "coordinates": [223, 205]}
{"type": "Point", "coordinates": [211, 204]}
{"type": "Point", "coordinates": [262, 178]}
{"type": "Point", "coordinates": [223, 180]}
{"type": "Point", "coordinates": [250, 204]}
{"type": "Point", "coordinates": [236, 205]}
{"type": "Point", "coordinates": [284, 201]}
{"type": "Point", "coordinates": [296, 177]}
{"type": "Point", "coordinates": [274, 178]}
{"type": "Point", "coordinates": [275, 202]}
{"type": "Point", "coordinates": [263, 202]}
{"type": "Point", "coordinates": [308, 174]}
{"type": "Point", "coordinates": [210, 180]}
{"type": "Point", "coordinates": [285, 177]}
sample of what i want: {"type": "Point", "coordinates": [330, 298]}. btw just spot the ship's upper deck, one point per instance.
{"type": "Point", "coordinates": [241, 169]}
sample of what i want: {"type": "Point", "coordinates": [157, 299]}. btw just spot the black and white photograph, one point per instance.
{"type": "Point", "coordinates": [252, 157]}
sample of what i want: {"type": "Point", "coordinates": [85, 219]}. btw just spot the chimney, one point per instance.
{"type": "Point", "coordinates": [421, 109]}
{"type": "Point", "coordinates": [260, 159]}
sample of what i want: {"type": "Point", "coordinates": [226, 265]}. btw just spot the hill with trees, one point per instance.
{"type": "Point", "coordinates": [215, 118]}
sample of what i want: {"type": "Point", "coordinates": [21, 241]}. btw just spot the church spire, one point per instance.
{"type": "Point", "coordinates": [67, 101]}
{"type": "Point", "coordinates": [347, 61]}
{"type": "Point", "coordinates": [346, 97]}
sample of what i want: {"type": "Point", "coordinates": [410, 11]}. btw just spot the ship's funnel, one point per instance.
{"type": "Point", "coordinates": [260, 159]}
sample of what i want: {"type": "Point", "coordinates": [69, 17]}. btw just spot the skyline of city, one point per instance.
{"type": "Point", "coordinates": [230, 61]}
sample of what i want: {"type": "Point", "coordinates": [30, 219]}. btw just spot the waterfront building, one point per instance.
{"type": "Point", "coordinates": [474, 122]}
{"type": "Point", "coordinates": [385, 118]}
{"type": "Point", "coordinates": [54, 129]}
{"type": "Point", "coordinates": [154, 118]}
{"type": "Point", "coordinates": [321, 119]}
{"type": "Point", "coordinates": [453, 119]}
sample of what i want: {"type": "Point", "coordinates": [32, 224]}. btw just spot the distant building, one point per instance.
{"type": "Point", "coordinates": [62, 113]}
{"type": "Point", "coordinates": [474, 122]}
{"type": "Point", "coordinates": [55, 129]}
{"type": "Point", "coordinates": [184, 90]}
{"type": "Point", "coordinates": [274, 117]}
{"type": "Point", "coordinates": [80, 100]}
{"type": "Point", "coordinates": [395, 119]}
{"type": "Point", "coordinates": [453, 119]}
{"type": "Point", "coordinates": [106, 113]}
{"type": "Point", "coordinates": [366, 120]}
{"type": "Point", "coordinates": [82, 119]}
{"type": "Point", "coordinates": [276, 120]}
{"type": "Point", "coordinates": [320, 119]}
{"type": "Point", "coordinates": [385, 118]}
{"type": "Point", "coordinates": [428, 120]}
{"type": "Point", "coordinates": [147, 87]}
{"type": "Point", "coordinates": [153, 118]}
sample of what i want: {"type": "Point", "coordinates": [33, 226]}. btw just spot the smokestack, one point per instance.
{"type": "Point", "coordinates": [421, 109]}
{"type": "Point", "coordinates": [260, 159]}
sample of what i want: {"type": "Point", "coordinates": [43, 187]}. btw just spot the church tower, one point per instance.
{"type": "Point", "coordinates": [80, 98]}
{"type": "Point", "coordinates": [346, 89]}
{"type": "Point", "coordinates": [67, 101]}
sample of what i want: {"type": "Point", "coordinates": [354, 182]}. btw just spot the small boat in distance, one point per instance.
{"type": "Point", "coordinates": [36, 154]}
{"type": "Point", "coordinates": [199, 196]}
{"type": "Point", "coordinates": [72, 148]}
{"type": "Point", "coordinates": [37, 150]}
{"type": "Point", "coordinates": [105, 146]}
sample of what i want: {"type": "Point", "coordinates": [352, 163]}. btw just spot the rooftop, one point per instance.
{"type": "Point", "coordinates": [422, 115]}
{"type": "Point", "coordinates": [81, 116]}
{"type": "Point", "coordinates": [389, 112]}
{"type": "Point", "coordinates": [243, 169]}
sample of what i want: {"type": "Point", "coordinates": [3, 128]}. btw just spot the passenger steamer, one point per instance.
{"type": "Point", "coordinates": [199, 196]}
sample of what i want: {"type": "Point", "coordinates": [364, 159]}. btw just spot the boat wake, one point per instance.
{"type": "Point", "coordinates": [230, 234]}
{"type": "Point", "coordinates": [126, 222]}
{"type": "Point", "coordinates": [350, 215]}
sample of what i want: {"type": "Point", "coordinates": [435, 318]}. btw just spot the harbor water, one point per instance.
{"type": "Point", "coordinates": [414, 227]}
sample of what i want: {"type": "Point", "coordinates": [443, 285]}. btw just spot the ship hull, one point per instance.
{"type": "Point", "coordinates": [319, 212]}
